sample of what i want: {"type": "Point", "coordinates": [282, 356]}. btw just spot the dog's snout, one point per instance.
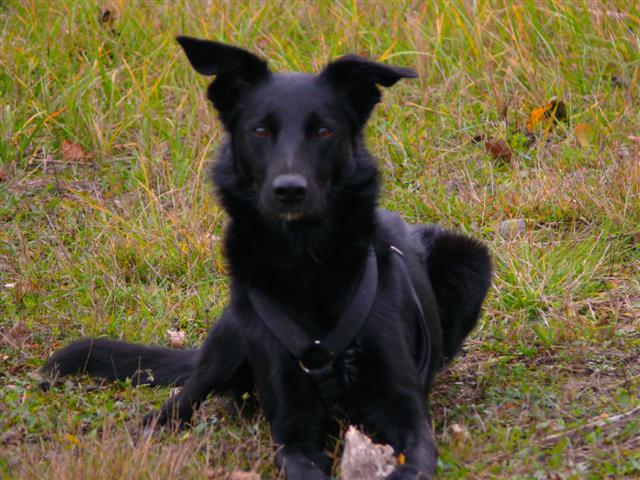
{"type": "Point", "coordinates": [290, 189]}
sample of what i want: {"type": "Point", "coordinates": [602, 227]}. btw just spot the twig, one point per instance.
{"type": "Point", "coordinates": [623, 382]}
{"type": "Point", "coordinates": [551, 439]}
{"type": "Point", "coordinates": [599, 422]}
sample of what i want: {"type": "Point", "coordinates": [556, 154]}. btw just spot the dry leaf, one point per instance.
{"type": "Point", "coordinates": [498, 149]}
{"type": "Point", "coordinates": [72, 439]}
{"type": "Point", "coordinates": [16, 335]}
{"type": "Point", "coordinates": [544, 117]}
{"type": "Point", "coordinates": [459, 434]}
{"type": "Point", "coordinates": [176, 338]}
{"type": "Point", "coordinates": [3, 174]}
{"type": "Point", "coordinates": [512, 228]}
{"type": "Point", "coordinates": [583, 134]}
{"type": "Point", "coordinates": [262, 43]}
{"type": "Point", "coordinates": [72, 152]}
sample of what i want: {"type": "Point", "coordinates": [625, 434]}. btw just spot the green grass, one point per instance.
{"type": "Point", "coordinates": [126, 242]}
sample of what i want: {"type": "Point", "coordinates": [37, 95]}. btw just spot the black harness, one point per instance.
{"type": "Point", "coordinates": [316, 356]}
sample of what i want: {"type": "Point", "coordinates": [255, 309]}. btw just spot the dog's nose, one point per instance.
{"type": "Point", "coordinates": [290, 189]}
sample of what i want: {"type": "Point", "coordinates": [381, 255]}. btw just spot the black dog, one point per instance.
{"type": "Point", "coordinates": [337, 308]}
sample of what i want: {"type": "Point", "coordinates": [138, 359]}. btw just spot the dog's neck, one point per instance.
{"type": "Point", "coordinates": [312, 264]}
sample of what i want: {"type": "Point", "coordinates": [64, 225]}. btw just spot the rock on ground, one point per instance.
{"type": "Point", "coordinates": [364, 460]}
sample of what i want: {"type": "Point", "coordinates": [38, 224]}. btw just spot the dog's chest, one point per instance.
{"type": "Point", "coordinates": [348, 369]}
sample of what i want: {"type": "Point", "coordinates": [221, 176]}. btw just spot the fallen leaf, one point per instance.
{"type": "Point", "coordinates": [176, 338]}
{"type": "Point", "coordinates": [262, 43]}
{"type": "Point", "coordinates": [3, 175]}
{"type": "Point", "coordinates": [72, 439]}
{"type": "Point", "coordinates": [583, 134]}
{"type": "Point", "coordinates": [72, 152]}
{"type": "Point", "coordinates": [459, 434]}
{"type": "Point", "coordinates": [498, 149]}
{"type": "Point", "coordinates": [544, 117]}
{"type": "Point", "coordinates": [512, 228]}
{"type": "Point", "coordinates": [16, 335]}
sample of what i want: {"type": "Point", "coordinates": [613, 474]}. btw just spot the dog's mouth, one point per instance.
{"type": "Point", "coordinates": [298, 214]}
{"type": "Point", "coordinates": [292, 215]}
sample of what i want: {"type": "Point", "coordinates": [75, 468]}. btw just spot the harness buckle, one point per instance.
{"type": "Point", "coordinates": [325, 380]}
{"type": "Point", "coordinates": [316, 360]}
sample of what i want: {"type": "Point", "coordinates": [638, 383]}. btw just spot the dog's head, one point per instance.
{"type": "Point", "coordinates": [293, 135]}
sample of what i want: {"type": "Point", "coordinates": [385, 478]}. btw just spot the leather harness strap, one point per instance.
{"type": "Point", "coordinates": [424, 348]}
{"type": "Point", "coordinates": [298, 342]}
{"type": "Point", "coordinates": [316, 356]}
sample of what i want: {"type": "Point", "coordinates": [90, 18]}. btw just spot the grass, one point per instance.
{"type": "Point", "coordinates": [123, 238]}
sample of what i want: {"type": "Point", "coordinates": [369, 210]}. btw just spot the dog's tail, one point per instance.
{"type": "Point", "coordinates": [460, 272]}
{"type": "Point", "coordinates": [115, 360]}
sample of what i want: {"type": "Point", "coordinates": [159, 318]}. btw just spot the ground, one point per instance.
{"type": "Point", "coordinates": [108, 225]}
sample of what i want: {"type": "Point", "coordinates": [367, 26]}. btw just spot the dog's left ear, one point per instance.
{"type": "Point", "coordinates": [358, 79]}
{"type": "Point", "coordinates": [236, 70]}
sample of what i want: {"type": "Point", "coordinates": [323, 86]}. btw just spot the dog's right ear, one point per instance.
{"type": "Point", "coordinates": [236, 70]}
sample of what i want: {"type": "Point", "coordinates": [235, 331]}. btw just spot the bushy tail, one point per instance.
{"type": "Point", "coordinates": [115, 360]}
{"type": "Point", "coordinates": [460, 272]}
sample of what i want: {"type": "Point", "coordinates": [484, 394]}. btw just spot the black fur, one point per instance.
{"type": "Point", "coordinates": [301, 190]}
{"type": "Point", "coordinates": [113, 360]}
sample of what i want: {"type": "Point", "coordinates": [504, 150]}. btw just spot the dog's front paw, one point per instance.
{"type": "Point", "coordinates": [162, 420]}
{"type": "Point", "coordinates": [153, 420]}
{"type": "Point", "coordinates": [407, 472]}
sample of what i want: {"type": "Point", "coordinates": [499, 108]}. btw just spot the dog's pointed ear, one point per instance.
{"type": "Point", "coordinates": [358, 78]}
{"type": "Point", "coordinates": [236, 70]}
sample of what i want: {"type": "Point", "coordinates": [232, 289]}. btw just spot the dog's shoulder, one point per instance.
{"type": "Point", "coordinates": [393, 231]}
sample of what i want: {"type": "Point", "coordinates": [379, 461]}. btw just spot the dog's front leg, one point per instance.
{"type": "Point", "coordinates": [293, 408]}
{"type": "Point", "coordinates": [402, 422]}
{"type": "Point", "coordinates": [220, 358]}
{"type": "Point", "coordinates": [399, 417]}
{"type": "Point", "coordinates": [418, 453]}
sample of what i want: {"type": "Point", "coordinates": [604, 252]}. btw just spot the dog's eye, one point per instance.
{"type": "Point", "coordinates": [261, 132]}
{"type": "Point", "coordinates": [324, 132]}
